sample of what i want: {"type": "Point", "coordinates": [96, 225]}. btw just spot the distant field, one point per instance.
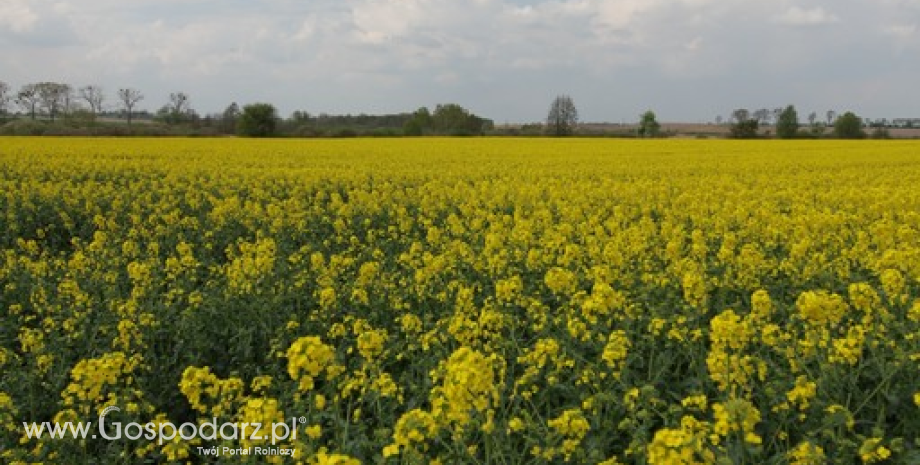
{"type": "Point", "coordinates": [481, 300]}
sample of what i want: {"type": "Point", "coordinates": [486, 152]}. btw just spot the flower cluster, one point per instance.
{"type": "Point", "coordinates": [467, 388]}
{"type": "Point", "coordinates": [308, 358]}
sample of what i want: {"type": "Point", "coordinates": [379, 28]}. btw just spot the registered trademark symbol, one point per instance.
{"type": "Point", "coordinates": [302, 420]}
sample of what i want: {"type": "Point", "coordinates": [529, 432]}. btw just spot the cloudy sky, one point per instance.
{"type": "Point", "coordinates": [689, 60]}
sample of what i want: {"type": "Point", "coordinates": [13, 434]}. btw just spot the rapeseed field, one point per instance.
{"type": "Point", "coordinates": [462, 300]}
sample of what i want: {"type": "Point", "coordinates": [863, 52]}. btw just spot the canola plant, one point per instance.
{"type": "Point", "coordinates": [463, 300]}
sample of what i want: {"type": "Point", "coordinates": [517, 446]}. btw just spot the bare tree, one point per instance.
{"type": "Point", "coordinates": [831, 114]}
{"type": "Point", "coordinates": [179, 102]}
{"type": "Point", "coordinates": [563, 116]}
{"type": "Point", "coordinates": [177, 110]}
{"type": "Point", "coordinates": [53, 96]}
{"type": "Point", "coordinates": [28, 99]}
{"type": "Point", "coordinates": [812, 117]}
{"type": "Point", "coordinates": [741, 114]}
{"type": "Point", "coordinates": [762, 116]}
{"type": "Point", "coordinates": [69, 103]}
{"type": "Point", "coordinates": [129, 98]}
{"type": "Point", "coordinates": [4, 97]}
{"type": "Point", "coordinates": [94, 98]}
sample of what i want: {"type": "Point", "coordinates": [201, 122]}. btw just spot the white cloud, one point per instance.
{"type": "Point", "coordinates": [902, 32]}
{"type": "Point", "coordinates": [620, 14]}
{"type": "Point", "coordinates": [381, 21]}
{"type": "Point", "coordinates": [904, 37]}
{"type": "Point", "coordinates": [796, 16]}
{"type": "Point", "coordinates": [16, 16]}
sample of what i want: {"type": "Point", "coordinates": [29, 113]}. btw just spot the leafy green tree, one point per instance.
{"type": "Point", "coordinates": [563, 117]}
{"type": "Point", "coordinates": [849, 126]}
{"type": "Point", "coordinates": [452, 119]}
{"type": "Point", "coordinates": [648, 125]}
{"type": "Point", "coordinates": [787, 124]}
{"type": "Point", "coordinates": [229, 118]}
{"type": "Point", "coordinates": [449, 118]}
{"type": "Point", "coordinates": [419, 124]}
{"type": "Point", "coordinates": [412, 128]}
{"type": "Point", "coordinates": [743, 126]}
{"type": "Point", "coordinates": [257, 120]}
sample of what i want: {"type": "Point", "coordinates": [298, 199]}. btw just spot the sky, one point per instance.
{"type": "Point", "coordinates": [687, 60]}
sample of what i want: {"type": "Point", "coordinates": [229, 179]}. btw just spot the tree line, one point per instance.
{"type": "Point", "coordinates": [745, 124]}
{"type": "Point", "coordinates": [562, 120]}
{"type": "Point", "coordinates": [55, 99]}
{"type": "Point", "coordinates": [60, 109]}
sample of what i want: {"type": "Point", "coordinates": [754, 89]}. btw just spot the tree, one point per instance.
{"type": "Point", "coordinates": [787, 124]}
{"type": "Point", "coordinates": [812, 118]}
{"type": "Point", "coordinates": [179, 102]}
{"type": "Point", "coordinates": [563, 117]}
{"type": "Point", "coordinates": [743, 127]}
{"type": "Point", "coordinates": [300, 116]}
{"type": "Point", "coordinates": [129, 98]}
{"type": "Point", "coordinates": [68, 105]}
{"type": "Point", "coordinates": [452, 119]}
{"type": "Point", "coordinates": [449, 118]}
{"type": "Point", "coordinates": [300, 123]}
{"type": "Point", "coordinates": [419, 124]}
{"type": "Point", "coordinates": [830, 116]}
{"type": "Point", "coordinates": [53, 96]}
{"type": "Point", "coordinates": [94, 98]}
{"type": "Point", "coordinates": [229, 118]}
{"type": "Point", "coordinates": [741, 114]}
{"type": "Point", "coordinates": [648, 126]}
{"type": "Point", "coordinates": [5, 98]}
{"type": "Point", "coordinates": [762, 116]}
{"type": "Point", "coordinates": [178, 110]}
{"type": "Point", "coordinates": [849, 126]}
{"type": "Point", "coordinates": [28, 99]}
{"type": "Point", "coordinates": [258, 120]}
